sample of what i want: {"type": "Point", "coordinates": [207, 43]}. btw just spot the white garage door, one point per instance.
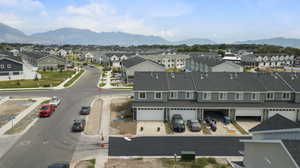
{"type": "Point", "coordinates": [187, 114]}
{"type": "Point", "coordinates": [248, 112]}
{"type": "Point", "coordinates": [292, 115]}
{"type": "Point", "coordinates": [150, 114]}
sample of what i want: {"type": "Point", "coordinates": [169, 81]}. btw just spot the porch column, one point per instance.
{"type": "Point", "coordinates": [167, 114]}
{"type": "Point", "coordinates": [231, 114]}
{"type": "Point", "coordinates": [134, 110]}
{"type": "Point", "coordinates": [298, 115]}
{"type": "Point", "coordinates": [265, 115]}
{"type": "Point", "coordinates": [200, 114]}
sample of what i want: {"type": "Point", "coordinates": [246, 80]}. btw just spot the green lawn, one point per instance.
{"type": "Point", "coordinates": [48, 79]}
{"type": "Point", "coordinates": [74, 78]}
{"type": "Point", "coordinates": [198, 163]}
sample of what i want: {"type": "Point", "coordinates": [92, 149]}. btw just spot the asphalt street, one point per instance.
{"type": "Point", "coordinates": [170, 145]}
{"type": "Point", "coordinates": [50, 139]}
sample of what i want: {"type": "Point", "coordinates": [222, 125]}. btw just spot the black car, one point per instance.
{"type": "Point", "coordinates": [85, 110]}
{"type": "Point", "coordinates": [60, 165]}
{"type": "Point", "coordinates": [78, 125]}
{"type": "Point", "coordinates": [193, 125]}
{"type": "Point", "coordinates": [177, 123]}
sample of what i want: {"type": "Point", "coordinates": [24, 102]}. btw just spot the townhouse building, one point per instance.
{"type": "Point", "coordinates": [195, 95]}
{"type": "Point", "coordinates": [169, 60]}
{"type": "Point", "coordinates": [277, 60]}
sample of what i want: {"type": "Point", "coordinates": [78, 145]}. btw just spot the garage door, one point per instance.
{"type": "Point", "coordinates": [150, 114]}
{"type": "Point", "coordinates": [187, 114]}
{"type": "Point", "coordinates": [292, 115]}
{"type": "Point", "coordinates": [248, 112]}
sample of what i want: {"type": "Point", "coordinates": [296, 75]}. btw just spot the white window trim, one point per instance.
{"type": "Point", "coordinates": [273, 96]}
{"type": "Point", "coordinates": [208, 96]}
{"type": "Point", "coordinates": [156, 97]}
{"type": "Point", "coordinates": [175, 94]}
{"type": "Point", "coordinates": [2, 66]}
{"type": "Point", "coordinates": [224, 96]}
{"type": "Point", "coordinates": [257, 95]}
{"type": "Point", "coordinates": [241, 96]}
{"type": "Point", "coordinates": [9, 66]}
{"type": "Point", "coordinates": [140, 95]}
{"type": "Point", "coordinates": [288, 96]}
{"type": "Point", "coordinates": [191, 95]}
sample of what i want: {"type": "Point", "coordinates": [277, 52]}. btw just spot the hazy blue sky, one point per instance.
{"type": "Point", "coordinates": [219, 20]}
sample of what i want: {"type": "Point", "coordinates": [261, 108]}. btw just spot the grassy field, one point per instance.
{"type": "Point", "coordinates": [198, 163]}
{"type": "Point", "coordinates": [70, 82]}
{"type": "Point", "coordinates": [49, 79]}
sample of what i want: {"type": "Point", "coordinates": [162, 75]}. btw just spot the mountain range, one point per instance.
{"type": "Point", "coordinates": [87, 37]}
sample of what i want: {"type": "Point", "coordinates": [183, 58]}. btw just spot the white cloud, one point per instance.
{"type": "Point", "coordinates": [101, 17]}
{"type": "Point", "coordinates": [10, 19]}
{"type": "Point", "coordinates": [21, 4]}
{"type": "Point", "coordinates": [44, 13]}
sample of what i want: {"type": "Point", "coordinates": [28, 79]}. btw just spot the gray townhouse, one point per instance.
{"type": "Point", "coordinates": [10, 66]}
{"type": "Point", "coordinates": [211, 62]}
{"type": "Point", "coordinates": [276, 60]}
{"type": "Point", "coordinates": [169, 60]}
{"type": "Point", "coordinates": [195, 95]}
{"type": "Point", "coordinates": [136, 64]}
{"type": "Point", "coordinates": [275, 144]}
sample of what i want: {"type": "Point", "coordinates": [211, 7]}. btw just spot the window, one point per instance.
{"type": "Point", "coordinates": [286, 96]}
{"type": "Point", "coordinates": [157, 95]}
{"type": "Point", "coordinates": [270, 96]}
{"type": "Point", "coordinates": [254, 96]}
{"type": "Point", "coordinates": [173, 95]}
{"type": "Point", "coordinates": [222, 96]}
{"type": "Point", "coordinates": [238, 96]}
{"type": "Point", "coordinates": [206, 96]}
{"type": "Point", "coordinates": [142, 95]}
{"type": "Point", "coordinates": [8, 65]}
{"type": "Point", "coordinates": [188, 95]}
{"type": "Point", "coordinates": [2, 66]}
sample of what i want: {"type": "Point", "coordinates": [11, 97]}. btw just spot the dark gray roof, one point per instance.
{"type": "Point", "coordinates": [272, 82]}
{"type": "Point", "coordinates": [132, 61]}
{"type": "Point", "coordinates": [293, 79]}
{"type": "Point", "coordinates": [180, 81]}
{"type": "Point", "coordinates": [210, 60]}
{"type": "Point", "coordinates": [10, 55]}
{"type": "Point", "coordinates": [194, 104]}
{"type": "Point", "coordinates": [34, 55]}
{"type": "Point", "coordinates": [148, 81]}
{"type": "Point", "coordinates": [293, 146]}
{"type": "Point", "coordinates": [225, 81]}
{"type": "Point", "coordinates": [276, 122]}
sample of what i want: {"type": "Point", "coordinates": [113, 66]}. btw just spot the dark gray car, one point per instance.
{"type": "Point", "coordinates": [60, 165]}
{"type": "Point", "coordinates": [85, 110]}
{"type": "Point", "coordinates": [194, 125]}
{"type": "Point", "coordinates": [78, 125]}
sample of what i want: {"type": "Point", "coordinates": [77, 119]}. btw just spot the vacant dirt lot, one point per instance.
{"type": "Point", "coordinates": [86, 164]}
{"type": "Point", "coordinates": [121, 117]}
{"type": "Point", "coordinates": [12, 108]}
{"type": "Point", "coordinates": [166, 163]}
{"type": "Point", "coordinates": [93, 120]}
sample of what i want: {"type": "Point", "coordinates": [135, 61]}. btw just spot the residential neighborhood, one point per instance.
{"type": "Point", "coordinates": [149, 84]}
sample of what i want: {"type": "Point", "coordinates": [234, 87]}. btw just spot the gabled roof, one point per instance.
{"type": "Point", "coordinates": [293, 147]}
{"type": "Point", "coordinates": [53, 56]}
{"type": "Point", "coordinates": [10, 56]}
{"type": "Point", "coordinates": [150, 81]}
{"type": "Point", "coordinates": [276, 122]}
{"type": "Point", "coordinates": [133, 61]}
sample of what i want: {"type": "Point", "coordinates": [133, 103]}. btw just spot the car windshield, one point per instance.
{"type": "Point", "coordinates": [77, 124]}
{"type": "Point", "coordinates": [195, 124]}
{"type": "Point", "coordinates": [178, 121]}
{"type": "Point", "coordinates": [85, 107]}
{"type": "Point", "coordinates": [45, 108]}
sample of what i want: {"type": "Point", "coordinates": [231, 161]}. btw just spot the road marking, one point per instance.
{"type": "Point", "coordinates": [25, 143]}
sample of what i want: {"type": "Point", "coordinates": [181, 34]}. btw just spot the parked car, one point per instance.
{"type": "Point", "coordinates": [78, 125]}
{"type": "Point", "coordinates": [60, 165]}
{"type": "Point", "coordinates": [177, 123]}
{"type": "Point", "coordinates": [55, 101]}
{"type": "Point", "coordinates": [46, 110]}
{"type": "Point", "coordinates": [193, 125]}
{"type": "Point", "coordinates": [85, 110]}
{"type": "Point", "coordinates": [213, 125]}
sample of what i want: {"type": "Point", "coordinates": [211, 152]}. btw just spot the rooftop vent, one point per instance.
{"type": "Point", "coordinates": [231, 76]}
{"type": "Point", "coordinates": [156, 76]}
{"type": "Point", "coordinates": [172, 75]}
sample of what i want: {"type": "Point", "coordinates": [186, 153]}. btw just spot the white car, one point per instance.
{"type": "Point", "coordinates": [55, 101]}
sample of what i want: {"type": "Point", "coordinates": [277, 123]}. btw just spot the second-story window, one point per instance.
{"type": "Point", "coordinates": [173, 95]}
{"type": "Point", "coordinates": [254, 96]}
{"type": "Point", "coordinates": [286, 96]}
{"type": "Point", "coordinates": [142, 95]}
{"type": "Point", "coordinates": [206, 96]}
{"type": "Point", "coordinates": [222, 96]}
{"type": "Point", "coordinates": [158, 95]}
{"type": "Point", "coordinates": [188, 95]}
{"type": "Point", "coordinates": [238, 96]}
{"type": "Point", "coordinates": [9, 66]}
{"type": "Point", "coordinates": [270, 96]}
{"type": "Point", "coordinates": [1, 66]}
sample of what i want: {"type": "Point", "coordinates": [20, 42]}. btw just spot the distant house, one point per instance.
{"type": "Point", "coordinates": [169, 60]}
{"type": "Point", "coordinates": [275, 144]}
{"type": "Point", "coordinates": [136, 64]}
{"type": "Point", "coordinates": [277, 60]}
{"type": "Point", "coordinates": [97, 56]}
{"type": "Point", "coordinates": [117, 58]}
{"type": "Point", "coordinates": [297, 62]}
{"type": "Point", "coordinates": [51, 62]}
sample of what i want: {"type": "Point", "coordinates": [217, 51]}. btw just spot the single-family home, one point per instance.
{"type": "Point", "coordinates": [276, 60]}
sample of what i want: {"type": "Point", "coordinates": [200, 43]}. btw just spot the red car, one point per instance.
{"type": "Point", "coordinates": [46, 110]}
